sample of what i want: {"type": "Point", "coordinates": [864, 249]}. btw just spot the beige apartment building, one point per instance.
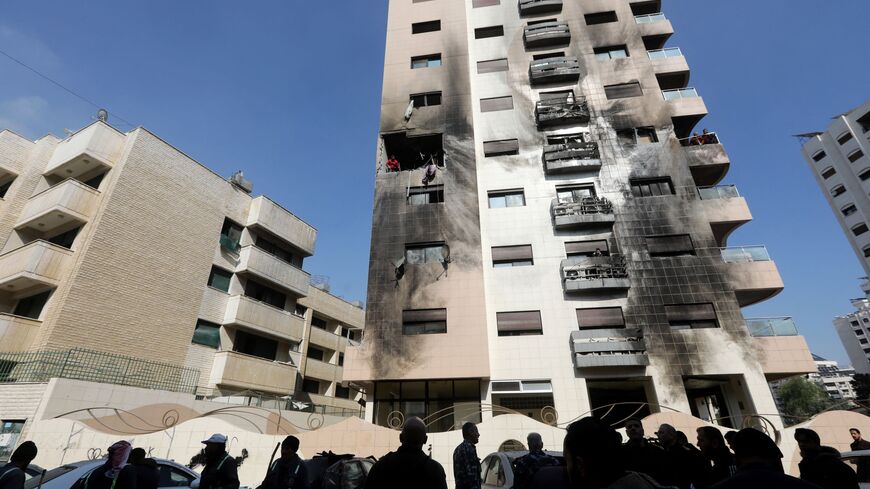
{"type": "Point", "coordinates": [117, 248]}
{"type": "Point", "coordinates": [548, 238]}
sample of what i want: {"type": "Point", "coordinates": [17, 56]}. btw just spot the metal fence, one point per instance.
{"type": "Point", "coordinates": [94, 366]}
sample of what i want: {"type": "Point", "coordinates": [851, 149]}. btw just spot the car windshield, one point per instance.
{"type": "Point", "coordinates": [33, 482]}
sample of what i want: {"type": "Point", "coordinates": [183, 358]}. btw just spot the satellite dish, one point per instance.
{"type": "Point", "coordinates": [103, 115]}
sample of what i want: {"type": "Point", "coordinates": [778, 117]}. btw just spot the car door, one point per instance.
{"type": "Point", "coordinates": [494, 477]}
{"type": "Point", "coordinates": [173, 477]}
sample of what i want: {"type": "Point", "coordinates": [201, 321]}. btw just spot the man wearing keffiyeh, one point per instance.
{"type": "Point", "coordinates": [114, 474]}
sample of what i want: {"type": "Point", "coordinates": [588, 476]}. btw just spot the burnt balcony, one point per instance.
{"type": "Point", "coordinates": [571, 156]}
{"type": "Point", "coordinates": [707, 158]}
{"type": "Point", "coordinates": [543, 34]}
{"type": "Point", "coordinates": [609, 348]}
{"type": "Point", "coordinates": [559, 111]}
{"type": "Point", "coordinates": [552, 70]}
{"type": "Point", "coordinates": [594, 274]}
{"type": "Point", "coordinates": [536, 7]}
{"type": "Point", "coordinates": [582, 212]}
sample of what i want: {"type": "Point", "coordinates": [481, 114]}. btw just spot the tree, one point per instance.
{"type": "Point", "coordinates": [802, 399]}
{"type": "Point", "coordinates": [861, 384]}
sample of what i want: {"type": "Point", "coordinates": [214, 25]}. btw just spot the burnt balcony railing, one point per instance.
{"type": "Point", "coordinates": [580, 274]}
{"type": "Point", "coordinates": [546, 34]}
{"type": "Point", "coordinates": [582, 207]}
{"type": "Point", "coordinates": [557, 69]}
{"type": "Point", "coordinates": [571, 156]}
{"type": "Point", "coordinates": [554, 112]}
{"type": "Point", "coordinates": [534, 7]}
{"type": "Point", "coordinates": [609, 348]}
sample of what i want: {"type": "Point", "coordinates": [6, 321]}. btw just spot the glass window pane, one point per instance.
{"type": "Point", "coordinates": [602, 56]}
{"type": "Point", "coordinates": [497, 202]}
{"type": "Point", "coordinates": [618, 54]}
{"type": "Point", "coordinates": [435, 62]}
{"type": "Point", "coordinates": [467, 389]}
{"type": "Point", "coordinates": [440, 389]}
{"type": "Point", "coordinates": [415, 256]}
{"type": "Point", "coordinates": [207, 334]}
{"type": "Point", "coordinates": [435, 254]}
{"type": "Point", "coordinates": [413, 390]}
{"type": "Point", "coordinates": [515, 200]}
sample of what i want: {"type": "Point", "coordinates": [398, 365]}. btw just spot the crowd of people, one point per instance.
{"type": "Point", "coordinates": [705, 137]}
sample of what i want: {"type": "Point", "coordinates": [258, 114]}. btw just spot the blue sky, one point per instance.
{"type": "Point", "coordinates": [289, 92]}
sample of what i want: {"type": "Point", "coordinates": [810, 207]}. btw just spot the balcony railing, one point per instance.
{"type": "Point", "coordinates": [680, 93]}
{"type": "Point", "coordinates": [582, 207]}
{"type": "Point", "coordinates": [718, 192]}
{"type": "Point", "coordinates": [530, 7]}
{"type": "Point", "coordinates": [764, 327]}
{"type": "Point", "coordinates": [609, 348]}
{"type": "Point", "coordinates": [700, 139]}
{"type": "Point", "coordinates": [595, 268]}
{"type": "Point", "coordinates": [554, 69]}
{"type": "Point", "coordinates": [546, 34]}
{"type": "Point", "coordinates": [571, 155]}
{"type": "Point", "coordinates": [650, 18]}
{"type": "Point", "coordinates": [664, 53]}
{"type": "Point", "coordinates": [745, 254]}
{"type": "Point", "coordinates": [561, 111]}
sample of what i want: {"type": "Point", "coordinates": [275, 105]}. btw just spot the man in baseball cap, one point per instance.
{"type": "Point", "coordinates": [221, 470]}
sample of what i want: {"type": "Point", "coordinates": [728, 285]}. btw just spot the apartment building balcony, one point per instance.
{"type": "Point", "coordinates": [544, 34]}
{"type": "Point", "coordinates": [96, 146]}
{"type": "Point", "coordinates": [708, 162]}
{"type": "Point", "coordinates": [326, 339]}
{"type": "Point", "coordinates": [247, 372]}
{"type": "Point", "coordinates": [36, 264]}
{"type": "Point", "coordinates": [655, 24]}
{"type": "Point", "coordinates": [585, 212]}
{"type": "Point", "coordinates": [687, 108]}
{"type": "Point", "coordinates": [16, 332]}
{"type": "Point", "coordinates": [535, 7]}
{"type": "Point", "coordinates": [259, 316]}
{"type": "Point", "coordinates": [271, 217]}
{"type": "Point", "coordinates": [609, 348]}
{"type": "Point", "coordinates": [594, 273]}
{"type": "Point", "coordinates": [559, 111]}
{"type": "Point", "coordinates": [552, 70]}
{"type": "Point", "coordinates": [322, 370]}
{"type": "Point", "coordinates": [752, 274]}
{"type": "Point", "coordinates": [571, 157]}
{"type": "Point", "coordinates": [67, 202]}
{"type": "Point", "coordinates": [725, 209]}
{"type": "Point", "coordinates": [670, 62]}
{"type": "Point", "coordinates": [261, 264]}
{"type": "Point", "coordinates": [783, 352]}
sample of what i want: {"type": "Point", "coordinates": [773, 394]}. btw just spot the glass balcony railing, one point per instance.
{"type": "Point", "coordinates": [229, 243]}
{"type": "Point", "coordinates": [679, 93]}
{"type": "Point", "coordinates": [664, 53]}
{"type": "Point", "coordinates": [764, 327]}
{"type": "Point", "coordinates": [650, 18]}
{"type": "Point", "coordinates": [718, 192]}
{"type": "Point", "coordinates": [744, 254]}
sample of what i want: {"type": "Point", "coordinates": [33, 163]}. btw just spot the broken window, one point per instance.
{"type": "Point", "coordinates": [424, 321]}
{"type": "Point", "coordinates": [231, 234]}
{"type": "Point", "coordinates": [413, 152]}
{"type": "Point", "coordinates": [638, 135]}
{"type": "Point", "coordinates": [426, 61]}
{"type": "Point", "coordinates": [691, 316]}
{"type": "Point", "coordinates": [575, 193]}
{"type": "Point", "coordinates": [523, 323]}
{"type": "Point", "coordinates": [651, 187]}
{"type": "Point", "coordinates": [430, 26]}
{"type": "Point", "coordinates": [420, 254]}
{"type": "Point", "coordinates": [557, 54]}
{"type": "Point", "coordinates": [506, 198]}
{"type": "Point", "coordinates": [426, 99]}
{"type": "Point", "coordinates": [675, 245]}
{"type": "Point", "coordinates": [485, 32]}
{"type": "Point", "coordinates": [611, 52]}
{"type": "Point", "coordinates": [432, 194]}
{"type": "Point", "coordinates": [623, 90]}
{"type": "Point", "coordinates": [601, 18]}
{"type": "Point", "coordinates": [512, 256]}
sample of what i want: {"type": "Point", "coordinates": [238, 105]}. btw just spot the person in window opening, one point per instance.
{"type": "Point", "coordinates": [393, 164]}
{"type": "Point", "coordinates": [695, 140]}
{"type": "Point", "coordinates": [597, 252]}
{"type": "Point", "coordinates": [708, 137]}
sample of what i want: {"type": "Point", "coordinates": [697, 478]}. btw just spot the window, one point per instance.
{"type": "Point", "coordinates": [587, 248]}
{"type": "Point", "coordinates": [601, 18]}
{"type": "Point", "coordinates": [341, 359]}
{"type": "Point", "coordinates": [600, 318]}
{"type": "Point", "coordinates": [828, 172]}
{"type": "Point", "coordinates": [420, 254]}
{"type": "Point", "coordinates": [207, 334]}
{"type": "Point", "coordinates": [496, 103]}
{"type": "Point", "coordinates": [4, 187]}
{"type": "Point", "coordinates": [219, 279]}
{"type": "Point", "coordinates": [638, 135]}
{"type": "Point", "coordinates": [425, 398]}
{"type": "Point", "coordinates": [342, 392]}
{"type": "Point", "coordinates": [674, 245]}
{"type": "Point", "coordinates": [169, 476]}
{"type": "Point", "coordinates": [849, 210]}
{"type": "Point", "coordinates": [501, 147]}
{"type": "Point", "coordinates": [512, 256]}
{"type": "Point", "coordinates": [691, 316]}
{"type": "Point", "coordinates": [278, 251]}
{"type": "Point", "coordinates": [819, 156]}
{"type": "Point", "coordinates": [838, 190]}
{"type": "Point", "coordinates": [863, 341]}
{"type": "Point", "coordinates": [65, 239]}
{"type": "Point", "coordinates": [855, 155]}
{"type": "Point", "coordinates": [231, 234]}
{"type": "Point", "coordinates": [557, 54]}
{"type": "Point", "coordinates": [311, 386]}
{"type": "Point", "coordinates": [426, 61]}
{"type": "Point", "coordinates": [492, 66]}
{"type": "Point", "coordinates": [623, 90]}
{"type": "Point", "coordinates": [95, 181]}
{"type": "Point", "coordinates": [430, 26]}
{"type": "Point", "coordinates": [31, 307]}
{"type": "Point", "coordinates": [844, 138]}
{"type": "Point", "coordinates": [433, 194]}
{"type": "Point", "coordinates": [859, 229]}
{"type": "Point", "coordinates": [506, 198]}
{"type": "Point", "coordinates": [611, 52]}
{"type": "Point", "coordinates": [426, 99]}
{"type": "Point", "coordinates": [485, 32]}
{"type": "Point", "coordinates": [319, 323]}
{"type": "Point", "coordinates": [575, 193]}
{"type": "Point", "coordinates": [519, 323]}
{"type": "Point", "coordinates": [315, 353]}
{"type": "Point", "coordinates": [260, 292]}
{"type": "Point", "coordinates": [864, 122]}
{"type": "Point", "coordinates": [649, 187]}
{"type": "Point", "coordinates": [10, 430]}
{"type": "Point", "coordinates": [867, 251]}
{"type": "Point", "coordinates": [258, 346]}
{"type": "Point", "coordinates": [424, 321]}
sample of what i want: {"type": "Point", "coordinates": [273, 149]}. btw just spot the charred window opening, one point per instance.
{"type": "Point", "coordinates": [557, 54]}
{"type": "Point", "coordinates": [413, 152]}
{"type": "Point", "coordinates": [637, 135]}
{"type": "Point", "coordinates": [651, 187]}
{"type": "Point", "coordinates": [598, 247]}
{"type": "Point", "coordinates": [422, 253]}
{"type": "Point", "coordinates": [623, 90]}
{"type": "Point", "coordinates": [426, 99]}
{"type": "Point", "coordinates": [560, 107]}
{"type": "Point", "coordinates": [433, 194]}
{"type": "Point", "coordinates": [691, 316]}
{"type": "Point", "coordinates": [424, 321]}
{"type": "Point", "coordinates": [601, 18]}
{"type": "Point", "coordinates": [575, 193]}
{"type": "Point", "coordinates": [492, 31]}
{"type": "Point", "coordinates": [673, 81]}
{"type": "Point", "coordinates": [667, 246]}
{"type": "Point", "coordinates": [683, 125]}
{"type": "Point", "coordinates": [614, 400]}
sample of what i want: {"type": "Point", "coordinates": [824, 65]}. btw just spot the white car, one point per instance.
{"type": "Point", "coordinates": [172, 474]}
{"type": "Point", "coordinates": [853, 459]}
{"type": "Point", "coordinates": [496, 469]}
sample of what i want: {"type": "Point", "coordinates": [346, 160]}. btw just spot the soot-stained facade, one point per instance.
{"type": "Point", "coordinates": [570, 254]}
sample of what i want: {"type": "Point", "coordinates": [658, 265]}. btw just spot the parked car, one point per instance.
{"type": "Point", "coordinates": [172, 474]}
{"type": "Point", "coordinates": [32, 471]}
{"type": "Point", "coordinates": [496, 469]}
{"type": "Point", "coordinates": [328, 470]}
{"type": "Point", "coordinates": [852, 458]}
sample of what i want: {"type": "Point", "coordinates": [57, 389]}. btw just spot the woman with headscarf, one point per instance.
{"type": "Point", "coordinates": [114, 474]}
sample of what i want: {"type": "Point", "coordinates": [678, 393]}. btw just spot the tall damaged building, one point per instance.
{"type": "Point", "coordinates": [549, 238]}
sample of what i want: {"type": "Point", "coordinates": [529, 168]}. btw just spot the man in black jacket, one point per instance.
{"type": "Point", "coordinates": [822, 465]}
{"type": "Point", "coordinates": [147, 474]}
{"type": "Point", "coordinates": [289, 471]}
{"type": "Point", "coordinates": [408, 467]}
{"type": "Point", "coordinates": [859, 443]}
{"type": "Point", "coordinates": [221, 470]}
